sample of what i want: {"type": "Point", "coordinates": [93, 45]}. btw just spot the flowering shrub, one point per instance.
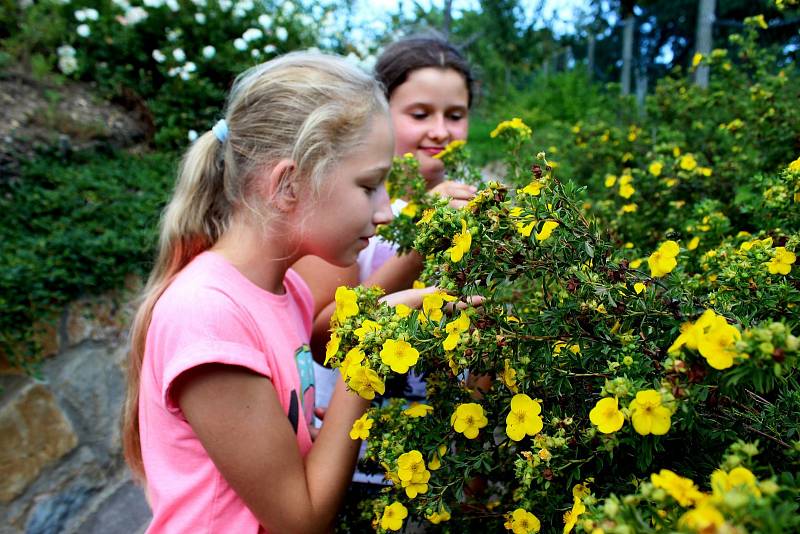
{"type": "Point", "coordinates": [585, 368]}
{"type": "Point", "coordinates": [179, 57]}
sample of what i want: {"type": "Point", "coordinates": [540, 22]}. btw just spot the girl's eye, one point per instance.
{"type": "Point", "coordinates": [369, 189]}
{"type": "Point", "coordinates": [419, 115]}
{"type": "Point", "coordinates": [456, 116]}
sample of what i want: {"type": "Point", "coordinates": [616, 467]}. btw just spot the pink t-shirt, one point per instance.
{"type": "Point", "coordinates": [211, 313]}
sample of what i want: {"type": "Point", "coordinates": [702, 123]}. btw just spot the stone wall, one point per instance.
{"type": "Point", "coordinates": [61, 466]}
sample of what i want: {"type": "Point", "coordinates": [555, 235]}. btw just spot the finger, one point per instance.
{"type": "Point", "coordinates": [471, 301]}
{"type": "Point", "coordinates": [410, 297]}
{"type": "Point", "coordinates": [458, 204]}
{"type": "Point", "coordinates": [314, 431]}
{"type": "Point", "coordinates": [320, 412]}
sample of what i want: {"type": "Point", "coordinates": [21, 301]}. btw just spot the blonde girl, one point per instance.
{"type": "Point", "coordinates": [220, 392]}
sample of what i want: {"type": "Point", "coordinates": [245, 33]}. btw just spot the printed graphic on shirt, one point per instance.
{"type": "Point", "coordinates": [305, 368]}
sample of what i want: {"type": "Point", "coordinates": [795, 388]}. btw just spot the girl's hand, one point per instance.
{"type": "Point", "coordinates": [410, 297]}
{"type": "Point", "coordinates": [458, 193]}
{"type": "Point", "coordinates": [312, 429]}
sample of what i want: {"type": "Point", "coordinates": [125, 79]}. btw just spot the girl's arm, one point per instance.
{"type": "Point", "coordinates": [238, 418]}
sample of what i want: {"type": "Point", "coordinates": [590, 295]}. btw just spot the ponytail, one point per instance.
{"type": "Point", "coordinates": [192, 222]}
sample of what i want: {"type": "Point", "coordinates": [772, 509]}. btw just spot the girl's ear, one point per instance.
{"type": "Point", "coordinates": [280, 186]}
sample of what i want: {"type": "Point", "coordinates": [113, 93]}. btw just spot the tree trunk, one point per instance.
{"type": "Point", "coordinates": [703, 38]}
{"type": "Point", "coordinates": [448, 17]}
{"type": "Point", "coordinates": [627, 54]}
{"type": "Point", "coordinates": [590, 56]}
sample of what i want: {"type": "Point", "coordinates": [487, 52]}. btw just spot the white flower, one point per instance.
{"type": "Point", "coordinates": [252, 34]}
{"type": "Point", "coordinates": [270, 49]}
{"type": "Point", "coordinates": [287, 8]}
{"type": "Point", "coordinates": [265, 21]}
{"type": "Point", "coordinates": [189, 67]}
{"type": "Point", "coordinates": [122, 4]}
{"type": "Point", "coordinates": [281, 33]}
{"type": "Point", "coordinates": [185, 75]}
{"type": "Point", "coordinates": [192, 135]}
{"type": "Point", "coordinates": [91, 13]}
{"type": "Point", "coordinates": [199, 3]}
{"type": "Point", "coordinates": [209, 52]}
{"type": "Point", "coordinates": [80, 15]}
{"type": "Point", "coordinates": [200, 18]}
{"type": "Point", "coordinates": [240, 44]}
{"type": "Point", "coordinates": [66, 51]}
{"type": "Point", "coordinates": [255, 52]}
{"type": "Point", "coordinates": [305, 20]}
{"type": "Point", "coordinates": [173, 72]}
{"type": "Point", "coordinates": [159, 56]}
{"type": "Point", "coordinates": [135, 15]}
{"type": "Point", "coordinates": [83, 30]}
{"type": "Point", "coordinates": [225, 5]}
{"type": "Point", "coordinates": [174, 35]}
{"type": "Point", "coordinates": [173, 5]}
{"type": "Point", "coordinates": [246, 5]}
{"type": "Point", "coordinates": [67, 64]}
{"type": "Point", "coordinates": [155, 4]}
{"type": "Point", "coordinates": [179, 55]}
{"type": "Point", "coordinates": [239, 13]}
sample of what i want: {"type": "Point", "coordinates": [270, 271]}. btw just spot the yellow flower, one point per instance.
{"type": "Point", "coordinates": [361, 428]}
{"type": "Point", "coordinates": [676, 151]}
{"type": "Point", "coordinates": [367, 327]}
{"type": "Point", "coordinates": [639, 287]}
{"type": "Point", "coordinates": [525, 228]}
{"type": "Point", "coordinates": [606, 415]}
{"type": "Point", "coordinates": [402, 310]}
{"type": "Point", "coordinates": [454, 329]}
{"type": "Point", "coordinates": [696, 59]}
{"type": "Point", "coordinates": [610, 180]}
{"type": "Point", "coordinates": [351, 361]}
{"type": "Point", "coordinates": [691, 333]}
{"type": "Point", "coordinates": [635, 264]}
{"type": "Point", "coordinates": [468, 419]}
{"type": "Point", "coordinates": [547, 229]}
{"type": "Point", "coordinates": [662, 261]}
{"type": "Point", "coordinates": [432, 304]}
{"type": "Point", "coordinates": [629, 208]}
{"type": "Point", "coordinates": [534, 188]}
{"type": "Point", "coordinates": [427, 216]}
{"type": "Point", "coordinates": [794, 166]}
{"type": "Point", "coordinates": [757, 20]}
{"type": "Point", "coordinates": [626, 190]}
{"type": "Point", "coordinates": [450, 148]}
{"type": "Point", "coordinates": [523, 418]}
{"type": "Point", "coordinates": [393, 516]}
{"type": "Point", "coordinates": [438, 517]}
{"type": "Point", "coordinates": [781, 262]}
{"type": "Point", "coordinates": [693, 243]}
{"type": "Point", "coordinates": [655, 168]}
{"type": "Point", "coordinates": [739, 477]}
{"type": "Point", "coordinates": [417, 284]}
{"type": "Point", "coordinates": [509, 376]}
{"type": "Point", "coordinates": [523, 522]}
{"type": "Point", "coordinates": [704, 518]}
{"type": "Point", "coordinates": [332, 347]}
{"type": "Point", "coordinates": [545, 455]}
{"type": "Point", "coordinates": [461, 243]}
{"type": "Point", "coordinates": [571, 517]}
{"type": "Point", "coordinates": [346, 304]}
{"type": "Point", "coordinates": [365, 382]}
{"type": "Point", "coordinates": [705, 171]}
{"type": "Point", "coordinates": [647, 414]}
{"type": "Point", "coordinates": [681, 489]}
{"type": "Point", "coordinates": [718, 345]}
{"type": "Point", "coordinates": [399, 355]}
{"type": "Point", "coordinates": [514, 125]}
{"type": "Point", "coordinates": [410, 209]}
{"type": "Point", "coordinates": [412, 473]}
{"type": "Point", "coordinates": [417, 409]}
{"type": "Point", "coordinates": [688, 163]}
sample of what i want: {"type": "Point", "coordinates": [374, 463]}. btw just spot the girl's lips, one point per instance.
{"type": "Point", "coordinates": [431, 150]}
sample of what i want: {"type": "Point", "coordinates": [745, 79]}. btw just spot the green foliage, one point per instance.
{"type": "Point", "coordinates": [70, 228]}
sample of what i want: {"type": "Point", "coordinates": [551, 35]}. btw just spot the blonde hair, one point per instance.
{"type": "Point", "coordinates": [311, 108]}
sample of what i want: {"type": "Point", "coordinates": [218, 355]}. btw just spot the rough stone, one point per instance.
{"type": "Point", "coordinates": [33, 433]}
{"type": "Point", "coordinates": [124, 511]}
{"type": "Point", "coordinates": [51, 514]}
{"type": "Point", "coordinates": [92, 318]}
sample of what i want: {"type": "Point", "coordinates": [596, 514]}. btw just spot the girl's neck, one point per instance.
{"type": "Point", "coordinates": [262, 256]}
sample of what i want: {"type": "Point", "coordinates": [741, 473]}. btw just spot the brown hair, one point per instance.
{"type": "Point", "coordinates": [311, 108]}
{"type": "Point", "coordinates": [416, 52]}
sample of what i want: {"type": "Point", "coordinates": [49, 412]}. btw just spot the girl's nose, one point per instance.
{"type": "Point", "coordinates": [438, 131]}
{"type": "Point", "coordinates": [383, 208]}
